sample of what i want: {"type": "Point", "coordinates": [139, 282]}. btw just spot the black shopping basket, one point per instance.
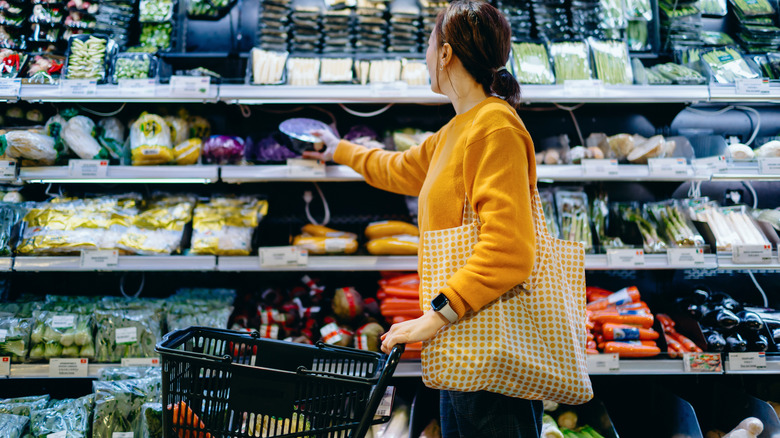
{"type": "Point", "coordinates": [222, 383]}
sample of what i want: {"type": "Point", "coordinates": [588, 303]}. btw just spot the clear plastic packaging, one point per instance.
{"type": "Point", "coordinates": [16, 340]}
{"type": "Point", "coordinates": [225, 226]}
{"type": "Point", "coordinates": [134, 66]}
{"type": "Point", "coordinates": [715, 8]}
{"type": "Point", "coordinates": [726, 65]}
{"type": "Point", "coordinates": [571, 61]}
{"type": "Point", "coordinates": [23, 405]}
{"type": "Point", "coordinates": [414, 73]}
{"type": "Point", "coordinates": [548, 204]}
{"type": "Point", "coordinates": [43, 68]}
{"type": "Point", "coordinates": [111, 374]}
{"type": "Point", "coordinates": [610, 58]}
{"type": "Point", "coordinates": [12, 426]}
{"type": "Point", "coordinates": [187, 152]}
{"type": "Point", "coordinates": [11, 63]}
{"type": "Point", "coordinates": [679, 74]}
{"type": "Point", "coordinates": [303, 72]}
{"type": "Point", "coordinates": [638, 35]}
{"type": "Point", "coordinates": [223, 149]}
{"type": "Point", "coordinates": [72, 417]}
{"type": "Point", "coordinates": [600, 214]}
{"type": "Point", "coordinates": [119, 405]}
{"type": "Point", "coordinates": [111, 135]}
{"type": "Point", "coordinates": [205, 308]}
{"type": "Point", "coordinates": [89, 57]}
{"type": "Point", "coordinates": [155, 11]}
{"type": "Point", "coordinates": [674, 224]}
{"type": "Point", "coordinates": [336, 70]}
{"type": "Point", "coordinates": [77, 136]}
{"type": "Point", "coordinates": [268, 67]}
{"type": "Point", "coordinates": [573, 217]}
{"type": "Point", "coordinates": [613, 14]}
{"type": "Point", "coordinates": [532, 65]}
{"type": "Point", "coordinates": [65, 333]}
{"type": "Point", "coordinates": [631, 212]}
{"type": "Point", "coordinates": [127, 328]}
{"type": "Point", "coordinates": [731, 225]}
{"type": "Point", "coordinates": [31, 146]}
{"type": "Point", "coordinates": [152, 421]}
{"type": "Point", "coordinates": [150, 141]}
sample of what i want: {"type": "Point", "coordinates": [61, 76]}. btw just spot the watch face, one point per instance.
{"type": "Point", "coordinates": [439, 302]}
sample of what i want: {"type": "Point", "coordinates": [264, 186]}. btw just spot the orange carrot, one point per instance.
{"type": "Point", "coordinates": [412, 279]}
{"type": "Point", "coordinates": [644, 320]}
{"type": "Point", "coordinates": [686, 343]}
{"type": "Point", "coordinates": [665, 321]}
{"type": "Point", "coordinates": [631, 350]}
{"type": "Point", "coordinates": [624, 296]}
{"type": "Point", "coordinates": [184, 416]}
{"type": "Point", "coordinates": [618, 332]}
{"type": "Point", "coordinates": [592, 345]}
{"type": "Point", "coordinates": [402, 292]}
{"type": "Point", "coordinates": [593, 293]}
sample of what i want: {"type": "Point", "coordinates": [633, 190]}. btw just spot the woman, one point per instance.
{"type": "Point", "coordinates": [484, 154]}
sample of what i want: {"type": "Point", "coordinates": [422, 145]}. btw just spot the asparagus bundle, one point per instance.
{"type": "Point", "coordinates": [574, 218]}
{"type": "Point", "coordinates": [679, 74]}
{"type": "Point", "coordinates": [731, 226]}
{"type": "Point", "coordinates": [611, 61]}
{"type": "Point", "coordinates": [600, 213]}
{"type": "Point", "coordinates": [571, 61]}
{"type": "Point", "coordinates": [652, 242]}
{"type": "Point", "coordinates": [532, 65]}
{"type": "Point", "coordinates": [726, 65]}
{"type": "Point", "coordinates": [549, 212]}
{"type": "Point", "coordinates": [679, 232]}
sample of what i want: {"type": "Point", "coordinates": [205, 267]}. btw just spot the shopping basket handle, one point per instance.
{"type": "Point", "coordinates": [379, 390]}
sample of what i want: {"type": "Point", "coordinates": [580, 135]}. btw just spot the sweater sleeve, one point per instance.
{"type": "Point", "coordinates": [498, 184]}
{"type": "Point", "coordinates": [397, 172]}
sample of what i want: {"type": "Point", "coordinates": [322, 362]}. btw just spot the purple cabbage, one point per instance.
{"type": "Point", "coordinates": [223, 149]}
{"type": "Point", "coordinates": [359, 131]}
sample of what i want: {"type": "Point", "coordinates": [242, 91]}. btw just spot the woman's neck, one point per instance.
{"type": "Point", "coordinates": [467, 96]}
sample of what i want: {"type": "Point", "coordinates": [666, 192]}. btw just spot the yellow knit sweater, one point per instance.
{"type": "Point", "coordinates": [487, 155]}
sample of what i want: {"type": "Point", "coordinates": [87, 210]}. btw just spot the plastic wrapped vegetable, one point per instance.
{"type": "Point", "coordinates": [14, 337]}
{"type": "Point", "coordinates": [679, 74]}
{"type": "Point", "coordinates": [53, 129]}
{"type": "Point", "coordinates": [223, 149]}
{"type": "Point", "coordinates": [225, 226]}
{"type": "Point", "coordinates": [152, 421]}
{"type": "Point", "coordinates": [570, 60]}
{"type": "Point", "coordinates": [179, 129]}
{"type": "Point", "coordinates": [150, 141]}
{"type": "Point", "coordinates": [187, 152]}
{"type": "Point", "coordinates": [600, 215]}
{"type": "Point", "coordinates": [532, 65]}
{"type": "Point", "coordinates": [549, 211]}
{"type": "Point", "coordinates": [23, 405]}
{"type": "Point", "coordinates": [12, 426]}
{"type": "Point", "coordinates": [70, 416]}
{"type": "Point", "coordinates": [87, 57]}
{"type": "Point", "coordinates": [111, 374]}
{"type": "Point", "coordinates": [57, 334]}
{"type": "Point", "coordinates": [78, 137]}
{"type": "Point", "coordinates": [726, 65]}
{"type": "Point", "coordinates": [119, 405]}
{"type": "Point", "coordinates": [10, 215]}
{"type": "Point", "coordinates": [610, 58]}
{"type": "Point", "coordinates": [677, 228]}
{"type": "Point", "coordinates": [112, 136]}
{"type": "Point", "coordinates": [652, 242]}
{"type": "Point", "coordinates": [29, 145]}
{"type": "Point", "coordinates": [127, 330]}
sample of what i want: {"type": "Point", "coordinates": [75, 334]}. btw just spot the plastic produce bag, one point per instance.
{"type": "Point", "coordinates": [29, 145]}
{"type": "Point", "coordinates": [57, 334]}
{"type": "Point", "coordinates": [223, 149]}
{"type": "Point", "coordinates": [186, 312]}
{"type": "Point", "coordinates": [119, 405]}
{"type": "Point", "coordinates": [532, 65]}
{"type": "Point", "coordinates": [179, 129]}
{"type": "Point", "coordinates": [127, 329]}
{"type": "Point", "coordinates": [112, 136]}
{"type": "Point", "coordinates": [573, 218]}
{"type": "Point", "coordinates": [610, 58]}
{"type": "Point", "coordinates": [78, 136]}
{"type": "Point", "coordinates": [150, 141]}
{"type": "Point", "coordinates": [158, 228]}
{"type": "Point", "coordinates": [23, 405]}
{"type": "Point", "coordinates": [10, 215]}
{"type": "Point", "coordinates": [71, 416]}
{"type": "Point", "coordinates": [152, 421]}
{"type": "Point", "coordinates": [53, 129]}
{"type": "Point", "coordinates": [12, 426]}
{"type": "Point", "coordinates": [14, 337]}
{"type": "Point", "coordinates": [187, 152]}
{"type": "Point", "coordinates": [726, 65]}
{"type": "Point", "coordinates": [224, 226]}
{"type": "Point", "coordinates": [570, 60]}
{"type": "Point", "coordinates": [111, 374]}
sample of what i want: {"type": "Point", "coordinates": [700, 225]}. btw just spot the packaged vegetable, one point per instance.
{"type": "Point", "coordinates": [639, 9]}
{"type": "Point", "coordinates": [630, 212]}
{"type": "Point", "coordinates": [59, 334]}
{"type": "Point", "coordinates": [267, 67]}
{"type": "Point", "coordinates": [375, 230]}
{"type": "Point", "coordinates": [155, 11]}
{"type": "Point", "coordinates": [127, 329]}
{"type": "Point", "coordinates": [600, 214]}
{"type": "Point", "coordinates": [111, 135]}
{"type": "Point", "coordinates": [548, 205]}
{"type": "Point", "coordinates": [199, 127]}
{"type": "Point", "coordinates": [679, 74]}
{"type": "Point", "coordinates": [87, 55]}
{"type": "Point", "coordinates": [674, 223]}
{"type": "Point", "coordinates": [111, 374]}
{"type": "Point", "coordinates": [225, 226]}
{"type": "Point", "coordinates": [11, 63]}
{"type": "Point", "coordinates": [14, 337]}
{"type": "Point", "coordinates": [78, 136]}
{"type": "Point", "coordinates": [23, 405]}
{"type": "Point", "coordinates": [152, 422]}
{"type": "Point", "coordinates": [611, 61]}
{"type": "Point", "coordinates": [571, 61]}
{"type": "Point", "coordinates": [179, 129]}
{"type": "Point", "coordinates": [573, 217]}
{"type": "Point", "coordinates": [134, 66]}
{"type": "Point", "coordinates": [70, 416]}
{"type": "Point", "coordinates": [13, 426]}
{"type": "Point", "coordinates": [726, 65]}
{"type": "Point", "coordinates": [200, 307]}
{"type": "Point", "coordinates": [731, 225]}
{"type": "Point", "coordinates": [402, 244]}
{"type": "Point", "coordinates": [187, 152]}
{"type": "Point", "coordinates": [29, 145]}
{"type": "Point", "coordinates": [156, 36]}
{"type": "Point", "coordinates": [119, 405]}
{"type": "Point", "coordinates": [223, 149]}
{"type": "Point", "coordinates": [326, 245]}
{"type": "Point", "coordinates": [532, 65]}
{"type": "Point", "coordinates": [150, 141]}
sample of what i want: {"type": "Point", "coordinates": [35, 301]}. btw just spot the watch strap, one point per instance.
{"type": "Point", "coordinates": [449, 313]}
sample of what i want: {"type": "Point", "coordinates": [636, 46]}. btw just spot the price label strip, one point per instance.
{"type": "Point", "coordinates": [5, 366]}
{"type": "Point", "coordinates": [7, 170]}
{"type": "Point", "coordinates": [710, 165]}
{"type": "Point", "coordinates": [78, 87]}
{"type": "Point", "coordinates": [599, 167]}
{"type": "Point", "coordinates": [68, 367]}
{"type": "Point", "coordinates": [584, 87]}
{"type": "Point", "coordinates": [122, 435]}
{"type": "Point", "coordinates": [625, 258]}
{"type": "Point", "coordinates": [389, 89]}
{"type": "Point", "coordinates": [141, 362]}
{"type": "Point", "coordinates": [757, 86]}
{"type": "Point", "coordinates": [603, 363]}
{"type": "Point", "coordinates": [138, 87]}
{"type": "Point", "coordinates": [10, 88]}
{"type": "Point", "coordinates": [759, 254]}
{"type": "Point", "coordinates": [685, 257]}
{"type": "Point", "coordinates": [769, 166]}
{"type": "Point", "coordinates": [702, 363]}
{"type": "Point", "coordinates": [99, 259]}
{"type": "Point", "coordinates": [280, 256]}
{"type": "Point", "coordinates": [88, 168]}
{"type": "Point", "coordinates": [302, 168]}
{"type": "Point", "coordinates": [747, 361]}
{"type": "Point", "coordinates": [386, 405]}
{"type": "Point", "coordinates": [666, 167]}
{"type": "Point", "coordinates": [190, 86]}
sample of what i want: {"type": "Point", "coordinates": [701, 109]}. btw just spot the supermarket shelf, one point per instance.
{"type": "Point", "coordinates": [112, 93]}
{"type": "Point", "coordinates": [324, 263]}
{"type": "Point", "coordinates": [268, 173]}
{"type": "Point", "coordinates": [729, 93]}
{"type": "Point", "coordinates": [41, 371]}
{"type": "Point", "coordinates": [6, 263]}
{"type": "Point", "coordinates": [726, 263]}
{"type": "Point", "coordinates": [382, 93]}
{"type": "Point", "coordinates": [126, 263]}
{"type": "Point", "coordinates": [614, 93]}
{"type": "Point", "coordinates": [125, 174]}
{"type": "Point", "coordinates": [598, 262]}
{"type": "Point", "coordinates": [625, 172]}
{"type": "Point", "coordinates": [772, 366]}
{"type": "Point", "coordinates": [739, 171]}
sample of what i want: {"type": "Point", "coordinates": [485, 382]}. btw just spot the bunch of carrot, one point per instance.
{"type": "Point", "coordinates": [399, 297]}
{"type": "Point", "coordinates": [677, 343]}
{"type": "Point", "coordinates": [620, 322]}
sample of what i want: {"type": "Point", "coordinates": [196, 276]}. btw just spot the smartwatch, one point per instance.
{"type": "Point", "coordinates": [442, 305]}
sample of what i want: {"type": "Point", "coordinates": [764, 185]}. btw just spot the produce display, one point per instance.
{"type": "Point", "coordinates": [611, 62]}
{"type": "Point", "coordinates": [127, 329]}
{"type": "Point", "coordinates": [225, 226]}
{"type": "Point", "coordinates": [392, 238]}
{"type": "Point", "coordinates": [87, 57]}
{"type": "Point", "coordinates": [573, 217]}
{"type": "Point", "coordinates": [532, 65]}
{"type": "Point", "coordinates": [119, 405]}
{"type": "Point", "coordinates": [70, 416]}
{"type": "Point", "coordinates": [63, 328]}
{"type": "Point", "coordinates": [571, 60]}
{"type": "Point", "coordinates": [732, 226]}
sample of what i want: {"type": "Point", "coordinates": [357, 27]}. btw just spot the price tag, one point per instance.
{"type": "Point", "coordinates": [138, 87]}
{"type": "Point", "coordinates": [599, 167]}
{"type": "Point", "coordinates": [586, 87]}
{"type": "Point", "coordinates": [190, 86]}
{"type": "Point", "coordinates": [710, 164]}
{"type": "Point", "coordinates": [702, 363]}
{"type": "Point", "coordinates": [752, 254]}
{"type": "Point", "coordinates": [68, 367]}
{"type": "Point", "coordinates": [392, 89]}
{"type": "Point", "coordinates": [7, 170]}
{"type": "Point", "coordinates": [625, 258]}
{"type": "Point", "coordinates": [603, 363]}
{"type": "Point", "coordinates": [3, 334]}
{"type": "Point", "coordinates": [386, 405]}
{"type": "Point", "coordinates": [752, 86]}
{"type": "Point", "coordinates": [769, 166]}
{"type": "Point", "coordinates": [297, 167]}
{"type": "Point", "coordinates": [122, 435]}
{"type": "Point", "coordinates": [274, 256]}
{"type": "Point", "coordinates": [63, 321]}
{"type": "Point", "coordinates": [99, 259]}
{"type": "Point", "coordinates": [127, 335]}
{"type": "Point", "coordinates": [5, 366]}
{"type": "Point", "coordinates": [747, 361]}
{"type": "Point", "coordinates": [88, 168]}
{"type": "Point", "coordinates": [10, 87]}
{"type": "Point", "coordinates": [685, 257]}
{"type": "Point", "coordinates": [78, 87]}
{"type": "Point", "coordinates": [141, 362]}
{"type": "Point", "coordinates": [668, 166]}
{"type": "Point", "coordinates": [62, 434]}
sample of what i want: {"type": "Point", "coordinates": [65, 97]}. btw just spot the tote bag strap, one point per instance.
{"type": "Point", "coordinates": [537, 211]}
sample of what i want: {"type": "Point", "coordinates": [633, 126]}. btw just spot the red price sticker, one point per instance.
{"type": "Point", "coordinates": [5, 366]}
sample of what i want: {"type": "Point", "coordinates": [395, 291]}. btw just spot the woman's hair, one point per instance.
{"type": "Point", "coordinates": [481, 39]}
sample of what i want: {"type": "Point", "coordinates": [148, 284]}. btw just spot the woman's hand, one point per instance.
{"type": "Point", "coordinates": [416, 330]}
{"type": "Point", "coordinates": [329, 140]}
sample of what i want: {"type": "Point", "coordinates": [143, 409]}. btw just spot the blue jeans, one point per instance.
{"type": "Point", "coordinates": [489, 415]}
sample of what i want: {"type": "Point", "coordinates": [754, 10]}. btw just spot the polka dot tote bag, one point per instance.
{"type": "Point", "coordinates": [529, 343]}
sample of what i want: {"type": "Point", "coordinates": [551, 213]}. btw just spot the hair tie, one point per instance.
{"type": "Point", "coordinates": [503, 67]}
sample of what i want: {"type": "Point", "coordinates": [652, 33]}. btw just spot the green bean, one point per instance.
{"type": "Point", "coordinates": [532, 65]}
{"type": "Point", "coordinates": [612, 62]}
{"type": "Point", "coordinates": [571, 61]}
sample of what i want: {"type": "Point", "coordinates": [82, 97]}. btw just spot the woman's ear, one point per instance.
{"type": "Point", "coordinates": [445, 55]}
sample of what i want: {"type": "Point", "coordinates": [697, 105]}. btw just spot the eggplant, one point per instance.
{"type": "Point", "coordinates": [750, 320]}
{"type": "Point", "coordinates": [700, 296]}
{"type": "Point", "coordinates": [722, 299]}
{"type": "Point", "coordinates": [736, 343]}
{"type": "Point", "coordinates": [758, 342]}
{"type": "Point", "coordinates": [687, 306]}
{"type": "Point", "coordinates": [715, 341]}
{"type": "Point", "coordinates": [719, 317]}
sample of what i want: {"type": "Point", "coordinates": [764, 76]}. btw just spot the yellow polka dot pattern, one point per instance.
{"type": "Point", "coordinates": [530, 343]}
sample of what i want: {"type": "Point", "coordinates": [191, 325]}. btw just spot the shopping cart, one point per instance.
{"type": "Point", "coordinates": [222, 383]}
